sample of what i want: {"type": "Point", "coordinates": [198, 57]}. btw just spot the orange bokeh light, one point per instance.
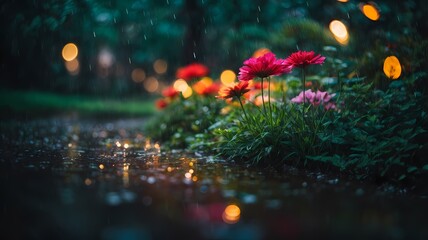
{"type": "Point", "coordinates": [231, 214]}
{"type": "Point", "coordinates": [392, 67]}
{"type": "Point", "coordinates": [69, 52]}
{"type": "Point", "coordinates": [370, 10]}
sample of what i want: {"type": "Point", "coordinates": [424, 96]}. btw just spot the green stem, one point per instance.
{"type": "Point", "coordinates": [270, 106]}
{"type": "Point", "coordinates": [263, 99]}
{"type": "Point", "coordinates": [243, 109]}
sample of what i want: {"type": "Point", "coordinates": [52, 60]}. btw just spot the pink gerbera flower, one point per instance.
{"type": "Point", "coordinates": [315, 98]}
{"type": "Point", "coordinates": [262, 67]}
{"type": "Point", "coordinates": [302, 59]}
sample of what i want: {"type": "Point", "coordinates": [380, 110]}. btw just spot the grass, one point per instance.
{"type": "Point", "coordinates": [38, 103]}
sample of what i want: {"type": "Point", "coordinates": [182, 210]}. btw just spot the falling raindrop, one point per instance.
{"type": "Point", "coordinates": [145, 37]}
{"type": "Point", "coordinates": [151, 22]}
{"type": "Point", "coordinates": [114, 20]}
{"type": "Point", "coordinates": [126, 10]}
{"type": "Point", "coordinates": [167, 2]}
{"type": "Point", "coordinates": [129, 60]}
{"type": "Point", "coordinates": [259, 8]}
{"type": "Point", "coordinates": [194, 55]}
{"type": "Point", "coordinates": [174, 16]}
{"type": "Point", "coordinates": [90, 67]}
{"type": "Point", "coordinates": [94, 34]}
{"type": "Point", "coordinates": [349, 17]}
{"type": "Point", "coordinates": [258, 20]}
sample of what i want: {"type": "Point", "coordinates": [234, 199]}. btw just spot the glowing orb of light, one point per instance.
{"type": "Point", "coordinates": [370, 10]}
{"type": "Point", "coordinates": [227, 77]}
{"type": "Point", "coordinates": [260, 52]}
{"type": "Point", "coordinates": [69, 52]}
{"type": "Point", "coordinates": [231, 214]}
{"type": "Point", "coordinates": [160, 66]}
{"type": "Point", "coordinates": [340, 32]}
{"type": "Point", "coordinates": [392, 67]}
{"type": "Point", "coordinates": [180, 85]}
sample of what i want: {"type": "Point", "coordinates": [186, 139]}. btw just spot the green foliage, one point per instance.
{"type": "Point", "coordinates": [302, 33]}
{"type": "Point", "coordinates": [373, 134]}
{"type": "Point", "coordinates": [377, 133]}
{"type": "Point", "coordinates": [37, 103]}
{"type": "Point", "coordinates": [185, 122]}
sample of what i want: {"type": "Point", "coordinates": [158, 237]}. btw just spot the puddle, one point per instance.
{"type": "Point", "coordinates": [68, 178]}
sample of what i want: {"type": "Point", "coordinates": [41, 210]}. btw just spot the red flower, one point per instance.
{"type": "Point", "coordinates": [258, 85]}
{"type": "Point", "coordinates": [161, 103]}
{"type": "Point", "coordinates": [264, 66]}
{"type": "Point", "coordinates": [237, 90]}
{"type": "Point", "coordinates": [194, 70]}
{"type": "Point", "coordinates": [170, 92]}
{"type": "Point", "coordinates": [302, 59]}
{"type": "Point", "coordinates": [211, 89]}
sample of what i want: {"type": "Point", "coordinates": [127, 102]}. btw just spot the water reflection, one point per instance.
{"type": "Point", "coordinates": [115, 178]}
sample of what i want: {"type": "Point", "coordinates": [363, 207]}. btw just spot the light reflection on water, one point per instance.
{"type": "Point", "coordinates": [110, 175]}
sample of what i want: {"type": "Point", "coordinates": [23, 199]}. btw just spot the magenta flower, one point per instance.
{"type": "Point", "coordinates": [302, 59]}
{"type": "Point", "coordinates": [262, 67]}
{"type": "Point", "coordinates": [315, 98]}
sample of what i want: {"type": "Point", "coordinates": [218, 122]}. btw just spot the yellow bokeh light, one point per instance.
{"type": "Point", "coordinates": [340, 32]}
{"type": "Point", "coordinates": [73, 66]}
{"type": "Point", "coordinates": [344, 1]}
{"type": "Point", "coordinates": [370, 11]}
{"type": "Point", "coordinates": [260, 52]}
{"type": "Point", "coordinates": [392, 67]}
{"type": "Point", "coordinates": [101, 166]}
{"type": "Point", "coordinates": [180, 85]}
{"type": "Point", "coordinates": [194, 178]}
{"type": "Point", "coordinates": [69, 52]}
{"type": "Point", "coordinates": [160, 66]}
{"type": "Point", "coordinates": [138, 75]}
{"type": "Point", "coordinates": [227, 77]}
{"type": "Point", "coordinates": [151, 84]}
{"type": "Point", "coordinates": [231, 214]}
{"type": "Point", "coordinates": [188, 175]}
{"type": "Point", "coordinates": [206, 81]}
{"type": "Point", "coordinates": [188, 92]}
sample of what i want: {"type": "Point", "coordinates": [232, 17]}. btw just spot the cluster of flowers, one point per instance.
{"type": "Point", "coordinates": [190, 73]}
{"type": "Point", "coordinates": [268, 65]}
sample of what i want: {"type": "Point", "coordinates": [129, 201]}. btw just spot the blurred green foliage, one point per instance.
{"type": "Point", "coordinates": [220, 34]}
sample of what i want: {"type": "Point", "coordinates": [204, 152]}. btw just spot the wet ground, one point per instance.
{"type": "Point", "coordinates": [71, 178]}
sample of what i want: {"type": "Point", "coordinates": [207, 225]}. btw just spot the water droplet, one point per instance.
{"type": "Point", "coordinates": [259, 8]}
{"type": "Point", "coordinates": [258, 20]}
{"type": "Point", "coordinates": [145, 37]}
{"type": "Point", "coordinates": [114, 20]}
{"type": "Point", "coordinates": [94, 34]}
{"type": "Point", "coordinates": [126, 10]}
{"type": "Point", "coordinates": [151, 22]}
{"type": "Point", "coordinates": [167, 2]}
{"type": "Point", "coordinates": [174, 16]}
{"type": "Point", "coordinates": [194, 55]}
{"type": "Point", "coordinates": [129, 59]}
